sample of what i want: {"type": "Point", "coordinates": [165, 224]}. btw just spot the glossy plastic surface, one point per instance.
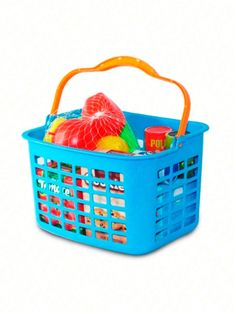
{"type": "Point", "coordinates": [143, 203]}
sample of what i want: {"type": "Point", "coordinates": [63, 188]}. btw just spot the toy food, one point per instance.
{"type": "Point", "coordinates": [103, 115]}
{"type": "Point", "coordinates": [101, 125]}
{"type": "Point", "coordinates": [128, 135]}
{"type": "Point", "coordinates": [155, 137]}
{"type": "Point", "coordinates": [76, 133]}
{"type": "Point", "coordinates": [113, 142]}
{"type": "Point", "coordinates": [50, 133]}
{"type": "Point", "coordinates": [170, 137]}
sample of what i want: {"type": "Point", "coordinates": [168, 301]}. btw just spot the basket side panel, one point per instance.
{"type": "Point", "coordinates": [128, 205]}
{"type": "Point", "coordinates": [178, 197]}
{"type": "Point", "coordinates": [93, 199]}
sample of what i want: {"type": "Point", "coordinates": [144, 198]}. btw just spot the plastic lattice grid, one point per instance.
{"type": "Point", "coordinates": [87, 202]}
{"type": "Point", "coordinates": [177, 194]}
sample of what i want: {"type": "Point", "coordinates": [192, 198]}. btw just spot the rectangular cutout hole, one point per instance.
{"type": "Point", "coordinates": [177, 179]}
{"type": "Point", "coordinates": [162, 198]}
{"type": "Point", "coordinates": [70, 227]}
{"type": "Point", "coordinates": [67, 179]}
{"type": "Point", "coordinates": [83, 195]}
{"type": "Point", "coordinates": [162, 211]}
{"type": "Point", "coordinates": [119, 239]}
{"type": "Point", "coordinates": [116, 214]}
{"type": "Point", "coordinates": [83, 207]}
{"type": "Point", "coordinates": [85, 231]}
{"type": "Point", "coordinates": [189, 220]}
{"type": "Point", "coordinates": [119, 226]}
{"type": "Point", "coordinates": [101, 223]}
{"type": "Point", "coordinates": [176, 227]}
{"type": "Point", "coordinates": [178, 191]}
{"type": "Point", "coordinates": [100, 211]}
{"type": "Point", "coordinates": [53, 175]}
{"type": "Point", "coordinates": [43, 207]}
{"type": "Point", "coordinates": [191, 209]}
{"type": "Point", "coordinates": [192, 173]}
{"type": "Point", "coordinates": [56, 223]}
{"type": "Point", "coordinates": [192, 185]}
{"type": "Point", "coordinates": [39, 172]}
{"type": "Point", "coordinates": [39, 160]}
{"type": "Point", "coordinates": [120, 202]}
{"type": "Point", "coordinates": [66, 167]}
{"type": "Point", "coordinates": [116, 176]}
{"type": "Point", "coordinates": [98, 173]}
{"type": "Point", "coordinates": [81, 170]}
{"type": "Point", "coordinates": [44, 218]}
{"type": "Point", "coordinates": [85, 220]}
{"type": "Point", "coordinates": [42, 196]}
{"type": "Point", "coordinates": [52, 164]}
{"type": "Point", "coordinates": [161, 223]}
{"type": "Point", "coordinates": [102, 235]}
{"type": "Point", "coordinates": [178, 166]}
{"type": "Point", "coordinates": [82, 183]}
{"type": "Point", "coordinates": [191, 197]}
{"type": "Point", "coordinates": [99, 186]}
{"type": "Point", "coordinates": [163, 172]}
{"type": "Point", "coordinates": [192, 161]}
{"type": "Point", "coordinates": [69, 204]}
{"type": "Point", "coordinates": [99, 199]}
{"type": "Point", "coordinates": [161, 234]}
{"type": "Point", "coordinates": [55, 200]}
{"type": "Point", "coordinates": [69, 215]}
{"type": "Point", "coordinates": [55, 211]}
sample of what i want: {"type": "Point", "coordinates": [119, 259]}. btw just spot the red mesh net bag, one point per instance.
{"type": "Point", "coordinates": [100, 117]}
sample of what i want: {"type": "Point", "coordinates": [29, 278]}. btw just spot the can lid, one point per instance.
{"type": "Point", "coordinates": [158, 129]}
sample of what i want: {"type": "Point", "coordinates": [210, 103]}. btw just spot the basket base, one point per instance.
{"type": "Point", "coordinates": [119, 248]}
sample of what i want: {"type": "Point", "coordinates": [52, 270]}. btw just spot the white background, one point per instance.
{"type": "Point", "coordinates": [190, 41]}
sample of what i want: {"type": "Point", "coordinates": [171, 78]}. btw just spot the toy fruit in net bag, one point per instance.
{"type": "Point", "coordinates": [128, 135]}
{"type": "Point", "coordinates": [113, 143]}
{"type": "Point", "coordinates": [102, 125]}
{"type": "Point", "coordinates": [50, 133]}
{"type": "Point", "coordinates": [75, 133]}
{"type": "Point", "coordinates": [103, 115]}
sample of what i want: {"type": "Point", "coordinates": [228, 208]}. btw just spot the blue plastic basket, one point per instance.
{"type": "Point", "coordinates": [146, 201]}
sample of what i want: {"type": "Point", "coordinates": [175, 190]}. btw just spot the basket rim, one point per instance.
{"type": "Point", "coordinates": [202, 127]}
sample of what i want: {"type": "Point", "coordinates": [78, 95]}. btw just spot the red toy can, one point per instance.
{"type": "Point", "coordinates": [155, 137]}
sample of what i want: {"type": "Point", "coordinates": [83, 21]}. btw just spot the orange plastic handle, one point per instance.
{"type": "Point", "coordinates": [132, 62]}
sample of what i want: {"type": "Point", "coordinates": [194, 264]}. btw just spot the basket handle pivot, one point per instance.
{"type": "Point", "coordinates": [132, 62]}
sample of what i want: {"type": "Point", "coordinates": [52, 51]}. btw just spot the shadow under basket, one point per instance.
{"type": "Point", "coordinates": [128, 204]}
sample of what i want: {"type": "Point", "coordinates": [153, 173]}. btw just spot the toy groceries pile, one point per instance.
{"type": "Point", "coordinates": [99, 126]}
{"type": "Point", "coordinates": [102, 127]}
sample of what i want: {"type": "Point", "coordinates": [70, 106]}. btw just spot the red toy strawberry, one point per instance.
{"type": "Point", "coordinates": [103, 115]}
{"type": "Point", "coordinates": [100, 117]}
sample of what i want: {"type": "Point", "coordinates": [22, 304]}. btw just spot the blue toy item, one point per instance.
{"type": "Point", "coordinates": [124, 203]}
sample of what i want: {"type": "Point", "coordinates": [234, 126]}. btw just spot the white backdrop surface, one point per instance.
{"type": "Point", "coordinates": [190, 41]}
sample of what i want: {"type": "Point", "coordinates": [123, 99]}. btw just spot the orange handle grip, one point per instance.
{"type": "Point", "coordinates": [132, 62]}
